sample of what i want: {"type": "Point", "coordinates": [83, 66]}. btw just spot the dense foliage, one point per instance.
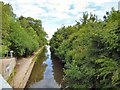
{"type": "Point", "coordinates": [91, 51]}
{"type": "Point", "coordinates": [22, 35]}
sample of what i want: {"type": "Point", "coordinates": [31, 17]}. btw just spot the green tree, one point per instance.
{"type": "Point", "coordinates": [90, 52]}
{"type": "Point", "coordinates": [22, 35]}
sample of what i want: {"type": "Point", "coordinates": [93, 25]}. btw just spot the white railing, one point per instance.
{"type": "Point", "coordinates": [4, 84]}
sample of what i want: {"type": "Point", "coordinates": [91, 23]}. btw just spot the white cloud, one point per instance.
{"type": "Point", "coordinates": [54, 13]}
{"type": "Point", "coordinates": [98, 2]}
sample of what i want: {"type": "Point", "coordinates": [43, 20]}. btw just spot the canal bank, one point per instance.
{"type": "Point", "coordinates": [23, 69]}
{"type": "Point", "coordinates": [47, 71]}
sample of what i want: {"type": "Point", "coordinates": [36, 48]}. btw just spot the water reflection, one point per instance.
{"type": "Point", "coordinates": [46, 73]}
{"type": "Point", "coordinates": [38, 70]}
{"type": "Point", "coordinates": [57, 69]}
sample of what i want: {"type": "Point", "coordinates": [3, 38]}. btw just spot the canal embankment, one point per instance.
{"type": "Point", "coordinates": [23, 69]}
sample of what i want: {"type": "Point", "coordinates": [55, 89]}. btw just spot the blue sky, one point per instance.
{"type": "Point", "coordinates": [55, 13]}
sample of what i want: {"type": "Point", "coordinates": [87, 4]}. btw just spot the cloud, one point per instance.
{"type": "Point", "coordinates": [54, 13]}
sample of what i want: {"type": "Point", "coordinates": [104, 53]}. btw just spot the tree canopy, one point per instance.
{"type": "Point", "coordinates": [90, 51]}
{"type": "Point", "coordinates": [23, 35]}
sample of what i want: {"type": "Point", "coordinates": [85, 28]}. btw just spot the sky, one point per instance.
{"type": "Point", "coordinates": [56, 13]}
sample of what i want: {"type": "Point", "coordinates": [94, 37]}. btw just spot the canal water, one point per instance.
{"type": "Point", "coordinates": [47, 71]}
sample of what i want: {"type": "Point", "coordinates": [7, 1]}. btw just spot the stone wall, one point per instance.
{"type": "Point", "coordinates": [7, 66]}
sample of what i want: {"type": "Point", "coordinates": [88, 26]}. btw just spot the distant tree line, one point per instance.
{"type": "Point", "coordinates": [90, 51]}
{"type": "Point", "coordinates": [20, 34]}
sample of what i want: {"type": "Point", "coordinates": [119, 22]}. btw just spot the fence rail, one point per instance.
{"type": "Point", "coordinates": [4, 84]}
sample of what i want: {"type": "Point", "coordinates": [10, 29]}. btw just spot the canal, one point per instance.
{"type": "Point", "coordinates": [47, 71]}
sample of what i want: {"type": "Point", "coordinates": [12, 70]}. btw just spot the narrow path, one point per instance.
{"type": "Point", "coordinates": [23, 70]}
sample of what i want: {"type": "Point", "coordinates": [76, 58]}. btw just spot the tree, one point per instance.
{"type": "Point", "coordinates": [90, 53]}
{"type": "Point", "coordinates": [22, 35]}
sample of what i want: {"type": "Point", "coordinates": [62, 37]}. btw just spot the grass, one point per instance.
{"type": "Point", "coordinates": [11, 76]}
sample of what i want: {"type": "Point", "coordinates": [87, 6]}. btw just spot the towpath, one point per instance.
{"type": "Point", "coordinates": [23, 70]}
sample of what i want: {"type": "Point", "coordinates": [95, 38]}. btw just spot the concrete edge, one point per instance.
{"type": "Point", "coordinates": [29, 70]}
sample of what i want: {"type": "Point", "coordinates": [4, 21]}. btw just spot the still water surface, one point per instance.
{"type": "Point", "coordinates": [47, 72]}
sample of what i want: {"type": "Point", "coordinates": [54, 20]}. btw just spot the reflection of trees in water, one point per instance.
{"type": "Point", "coordinates": [38, 70]}
{"type": "Point", "coordinates": [57, 69]}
